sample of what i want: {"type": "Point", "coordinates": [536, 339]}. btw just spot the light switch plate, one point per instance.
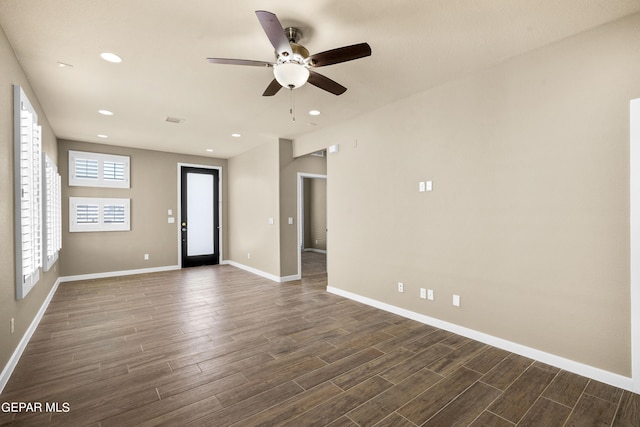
{"type": "Point", "coordinates": [456, 300]}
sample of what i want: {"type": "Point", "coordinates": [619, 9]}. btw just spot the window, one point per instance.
{"type": "Point", "coordinates": [52, 218]}
{"type": "Point", "coordinates": [96, 214]}
{"type": "Point", "coordinates": [98, 170]}
{"type": "Point", "coordinates": [28, 196]}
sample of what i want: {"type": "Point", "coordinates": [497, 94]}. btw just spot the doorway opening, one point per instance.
{"type": "Point", "coordinates": [199, 207]}
{"type": "Point", "coordinates": [312, 224]}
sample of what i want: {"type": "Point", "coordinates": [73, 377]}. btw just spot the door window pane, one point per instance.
{"type": "Point", "coordinates": [199, 214]}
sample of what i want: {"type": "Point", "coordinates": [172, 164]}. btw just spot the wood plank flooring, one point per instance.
{"type": "Point", "coordinates": [217, 346]}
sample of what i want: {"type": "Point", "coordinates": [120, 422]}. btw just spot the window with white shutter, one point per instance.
{"type": "Point", "coordinates": [98, 214]}
{"type": "Point", "coordinates": [28, 193]}
{"type": "Point", "coordinates": [98, 170]}
{"type": "Point", "coordinates": [52, 218]}
{"type": "Point", "coordinates": [86, 169]}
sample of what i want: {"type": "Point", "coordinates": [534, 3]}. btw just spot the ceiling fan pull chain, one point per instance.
{"type": "Point", "coordinates": [292, 110]}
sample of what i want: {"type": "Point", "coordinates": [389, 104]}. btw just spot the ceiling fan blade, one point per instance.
{"type": "Point", "coordinates": [326, 83]}
{"type": "Point", "coordinates": [341, 54]}
{"type": "Point", "coordinates": [240, 62]}
{"type": "Point", "coordinates": [272, 27]}
{"type": "Point", "coordinates": [272, 89]}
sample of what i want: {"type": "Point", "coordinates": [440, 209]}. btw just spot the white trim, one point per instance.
{"type": "Point", "coordinates": [318, 251]}
{"type": "Point", "coordinates": [634, 215]}
{"type": "Point", "coordinates": [107, 274]}
{"type": "Point", "coordinates": [179, 209]}
{"type": "Point", "coordinates": [597, 374]}
{"type": "Point", "coordinates": [261, 273]}
{"type": "Point", "coordinates": [300, 242]}
{"type": "Point", "coordinates": [15, 357]}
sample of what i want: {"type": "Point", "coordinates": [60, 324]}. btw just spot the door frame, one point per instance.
{"type": "Point", "coordinates": [179, 209]}
{"type": "Point", "coordinates": [300, 242]}
{"type": "Point", "coordinates": [634, 217]}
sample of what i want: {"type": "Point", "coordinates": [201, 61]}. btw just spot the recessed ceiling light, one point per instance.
{"type": "Point", "coordinates": [236, 135]}
{"type": "Point", "coordinates": [111, 57]}
{"type": "Point", "coordinates": [314, 113]}
{"type": "Point", "coordinates": [105, 112]}
{"type": "Point", "coordinates": [63, 65]}
{"type": "Point", "coordinates": [102, 136]}
{"type": "Point", "coordinates": [175, 120]}
{"type": "Point", "coordinates": [210, 150]}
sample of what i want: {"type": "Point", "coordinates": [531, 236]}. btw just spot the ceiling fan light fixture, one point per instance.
{"type": "Point", "coordinates": [291, 74]}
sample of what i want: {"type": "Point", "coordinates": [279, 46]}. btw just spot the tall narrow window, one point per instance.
{"type": "Point", "coordinates": [52, 218]}
{"type": "Point", "coordinates": [28, 193]}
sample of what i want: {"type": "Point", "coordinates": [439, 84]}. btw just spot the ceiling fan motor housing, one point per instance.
{"type": "Point", "coordinates": [291, 70]}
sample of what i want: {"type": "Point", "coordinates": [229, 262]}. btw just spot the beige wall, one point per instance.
{"type": "Point", "coordinates": [154, 190]}
{"type": "Point", "coordinates": [24, 311]}
{"type": "Point", "coordinates": [253, 199]}
{"type": "Point", "coordinates": [528, 219]}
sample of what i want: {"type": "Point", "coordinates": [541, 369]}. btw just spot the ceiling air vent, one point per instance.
{"type": "Point", "coordinates": [173, 120]}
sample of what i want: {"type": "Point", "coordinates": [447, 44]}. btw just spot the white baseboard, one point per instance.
{"type": "Point", "coordinates": [318, 251]}
{"type": "Point", "coordinates": [261, 273]}
{"type": "Point", "coordinates": [15, 357]}
{"type": "Point", "coordinates": [118, 273]}
{"type": "Point", "coordinates": [578, 368]}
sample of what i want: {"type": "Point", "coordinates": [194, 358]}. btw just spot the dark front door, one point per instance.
{"type": "Point", "coordinates": [200, 219]}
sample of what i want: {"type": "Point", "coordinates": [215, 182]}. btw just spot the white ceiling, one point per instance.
{"type": "Point", "coordinates": [416, 44]}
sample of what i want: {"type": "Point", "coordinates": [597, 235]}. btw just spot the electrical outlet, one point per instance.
{"type": "Point", "coordinates": [248, 255]}
{"type": "Point", "coordinates": [13, 325]}
{"type": "Point", "coordinates": [146, 257]}
{"type": "Point", "coordinates": [430, 294]}
{"type": "Point", "coordinates": [400, 287]}
{"type": "Point", "coordinates": [456, 300]}
{"type": "Point", "coordinates": [423, 293]}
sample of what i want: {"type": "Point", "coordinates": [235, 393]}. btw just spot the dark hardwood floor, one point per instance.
{"type": "Point", "coordinates": [217, 346]}
{"type": "Point", "coordinates": [313, 263]}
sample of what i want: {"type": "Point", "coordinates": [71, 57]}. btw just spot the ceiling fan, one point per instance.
{"type": "Point", "coordinates": [293, 66]}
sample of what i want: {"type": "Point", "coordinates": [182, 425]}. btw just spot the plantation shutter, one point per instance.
{"type": "Point", "coordinates": [52, 221]}
{"type": "Point", "coordinates": [98, 170]}
{"type": "Point", "coordinates": [29, 238]}
{"type": "Point", "coordinates": [99, 214]}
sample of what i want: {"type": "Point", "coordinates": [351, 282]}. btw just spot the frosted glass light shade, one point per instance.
{"type": "Point", "coordinates": [290, 74]}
